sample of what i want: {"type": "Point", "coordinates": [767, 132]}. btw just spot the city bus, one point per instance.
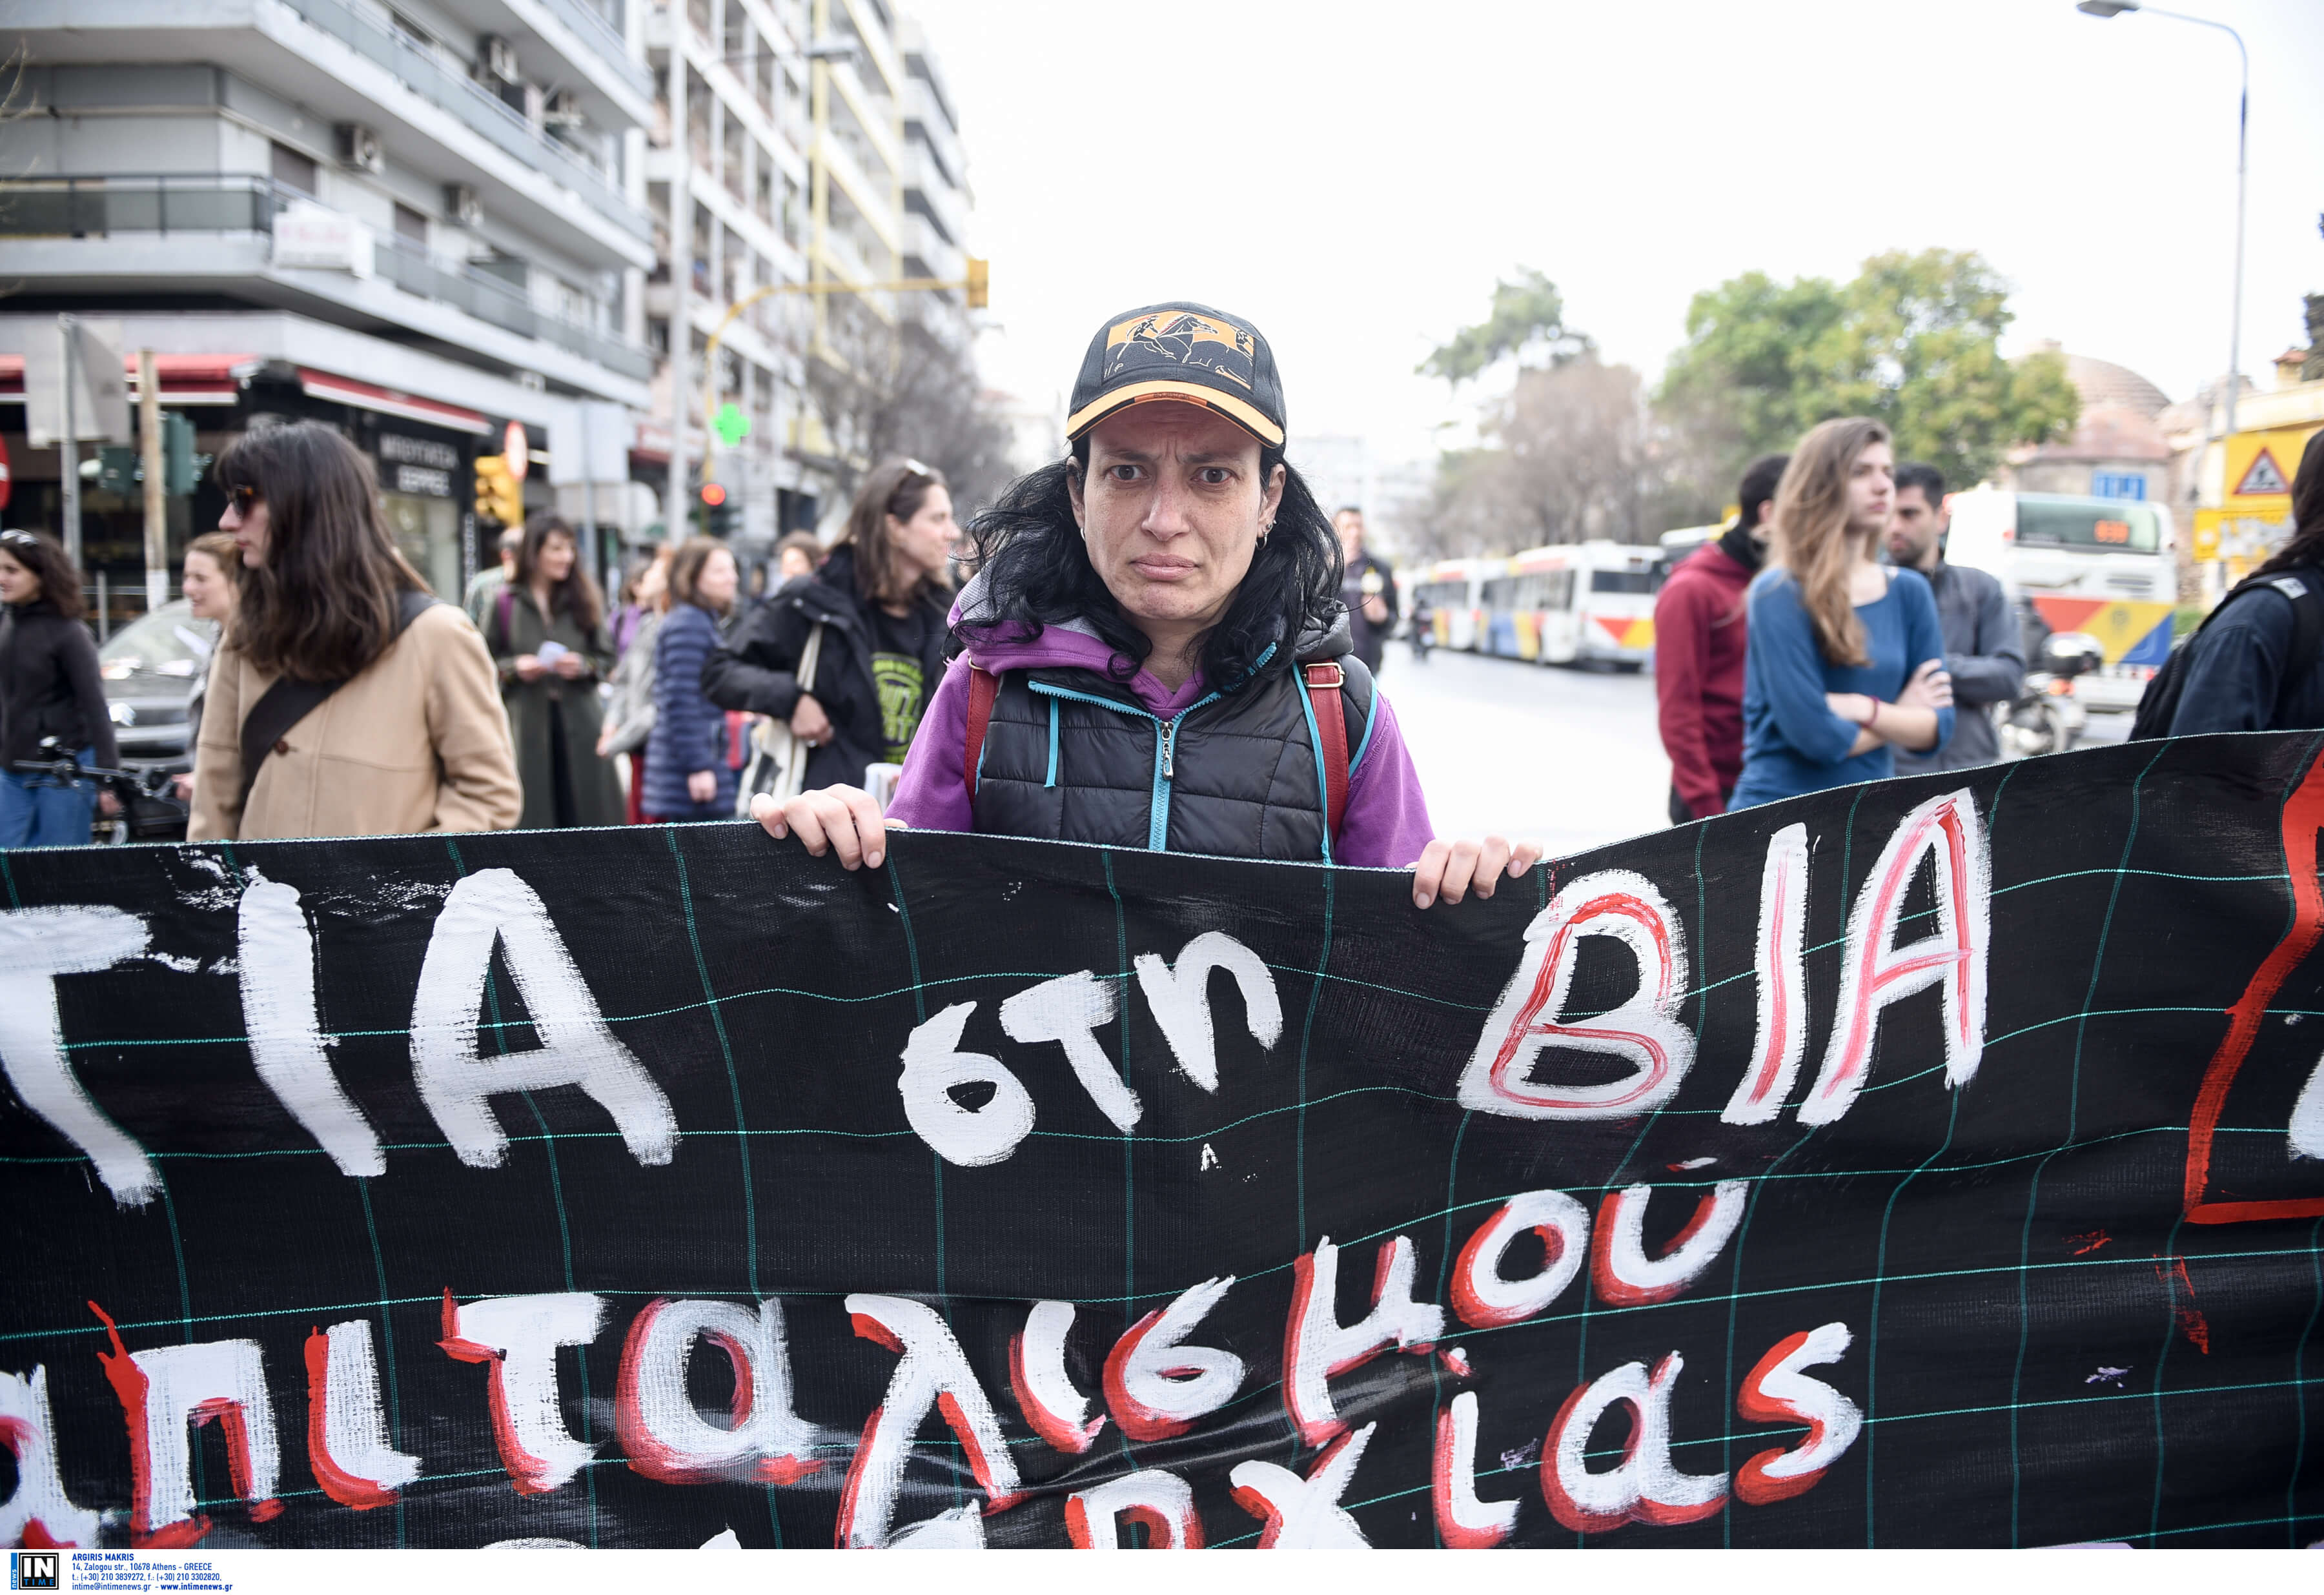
{"type": "Point", "coordinates": [1453, 589]}
{"type": "Point", "coordinates": [2105, 567]}
{"type": "Point", "coordinates": [1574, 604]}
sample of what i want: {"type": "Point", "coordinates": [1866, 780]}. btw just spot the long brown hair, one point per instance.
{"type": "Point", "coordinates": [577, 594]}
{"type": "Point", "coordinates": [324, 603]}
{"type": "Point", "coordinates": [2306, 544]}
{"type": "Point", "coordinates": [1810, 533]}
{"type": "Point", "coordinates": [685, 569]}
{"type": "Point", "coordinates": [49, 565]}
{"type": "Point", "coordinates": [898, 488]}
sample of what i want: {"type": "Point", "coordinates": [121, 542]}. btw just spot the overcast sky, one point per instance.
{"type": "Point", "coordinates": [1353, 177]}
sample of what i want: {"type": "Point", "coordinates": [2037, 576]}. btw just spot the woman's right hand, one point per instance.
{"type": "Point", "coordinates": [809, 724]}
{"type": "Point", "coordinates": [1931, 688]}
{"type": "Point", "coordinates": [844, 820]}
{"type": "Point", "coordinates": [529, 667]}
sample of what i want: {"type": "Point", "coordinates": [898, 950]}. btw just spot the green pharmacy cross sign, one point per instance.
{"type": "Point", "coordinates": [731, 424]}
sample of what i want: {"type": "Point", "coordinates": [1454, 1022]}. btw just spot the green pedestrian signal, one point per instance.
{"type": "Point", "coordinates": [181, 468]}
{"type": "Point", "coordinates": [731, 424]}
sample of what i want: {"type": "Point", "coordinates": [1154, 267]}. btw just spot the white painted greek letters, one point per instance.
{"type": "Point", "coordinates": [1644, 1032]}
{"type": "Point", "coordinates": [1180, 999]}
{"type": "Point", "coordinates": [1162, 1501]}
{"type": "Point", "coordinates": [933, 1373]}
{"type": "Point", "coordinates": [36, 945]}
{"type": "Point", "coordinates": [1776, 1392]}
{"type": "Point", "coordinates": [1155, 1385]}
{"type": "Point", "coordinates": [516, 1339]}
{"type": "Point", "coordinates": [347, 1444]}
{"type": "Point", "coordinates": [1621, 1269]}
{"type": "Point", "coordinates": [1058, 1412]}
{"type": "Point", "coordinates": [960, 1529]}
{"type": "Point", "coordinates": [165, 1393]}
{"type": "Point", "coordinates": [276, 954]}
{"type": "Point", "coordinates": [1463, 1521]}
{"type": "Point", "coordinates": [661, 1433]}
{"type": "Point", "coordinates": [1779, 962]}
{"type": "Point", "coordinates": [1648, 1486]}
{"type": "Point", "coordinates": [1874, 974]}
{"type": "Point", "coordinates": [934, 1065]}
{"type": "Point", "coordinates": [2306, 1134]}
{"type": "Point", "coordinates": [1305, 1513]}
{"type": "Point", "coordinates": [38, 1512]}
{"type": "Point", "coordinates": [1068, 1010]}
{"type": "Point", "coordinates": [1486, 1300]}
{"type": "Point", "coordinates": [457, 1082]}
{"type": "Point", "coordinates": [1316, 1346]}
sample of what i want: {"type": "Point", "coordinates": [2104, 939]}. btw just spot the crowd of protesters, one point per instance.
{"type": "Point", "coordinates": [1169, 582]}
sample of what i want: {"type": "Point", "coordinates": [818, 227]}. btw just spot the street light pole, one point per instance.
{"type": "Point", "coordinates": [2110, 8]}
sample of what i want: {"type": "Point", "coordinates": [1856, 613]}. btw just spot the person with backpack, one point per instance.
{"type": "Point", "coordinates": [548, 637]}
{"type": "Point", "coordinates": [1156, 654]}
{"type": "Point", "coordinates": [344, 700]}
{"type": "Point", "coordinates": [2257, 663]}
{"type": "Point", "coordinates": [849, 654]}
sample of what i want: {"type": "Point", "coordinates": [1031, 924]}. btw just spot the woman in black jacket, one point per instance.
{"type": "Point", "coordinates": [883, 605]}
{"type": "Point", "coordinates": [49, 687]}
{"type": "Point", "coordinates": [2245, 669]}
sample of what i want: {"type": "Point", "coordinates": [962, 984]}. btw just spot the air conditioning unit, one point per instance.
{"type": "Point", "coordinates": [467, 208]}
{"type": "Point", "coordinates": [496, 58]}
{"type": "Point", "coordinates": [359, 147]}
{"type": "Point", "coordinates": [562, 109]}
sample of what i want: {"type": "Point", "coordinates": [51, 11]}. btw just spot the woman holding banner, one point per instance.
{"type": "Point", "coordinates": [1830, 685]}
{"type": "Point", "coordinates": [343, 701]}
{"type": "Point", "coordinates": [1156, 655]}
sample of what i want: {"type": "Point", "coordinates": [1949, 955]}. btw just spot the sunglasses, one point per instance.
{"type": "Point", "coordinates": [242, 498]}
{"type": "Point", "coordinates": [21, 539]}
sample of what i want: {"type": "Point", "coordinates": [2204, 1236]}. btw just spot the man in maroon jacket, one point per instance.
{"type": "Point", "coordinates": [1699, 638]}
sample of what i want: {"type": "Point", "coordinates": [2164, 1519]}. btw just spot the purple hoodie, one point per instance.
{"type": "Point", "coordinates": [1387, 822]}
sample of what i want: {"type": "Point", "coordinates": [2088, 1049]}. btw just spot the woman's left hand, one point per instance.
{"type": "Point", "coordinates": [1452, 870]}
{"type": "Point", "coordinates": [570, 665]}
{"type": "Point", "coordinates": [701, 786]}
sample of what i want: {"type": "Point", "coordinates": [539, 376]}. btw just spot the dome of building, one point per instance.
{"type": "Point", "coordinates": [2102, 382]}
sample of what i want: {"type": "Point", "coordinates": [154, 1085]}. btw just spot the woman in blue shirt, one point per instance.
{"type": "Point", "coordinates": [1846, 660]}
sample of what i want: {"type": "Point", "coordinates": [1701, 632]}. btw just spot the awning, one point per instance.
{"type": "Point", "coordinates": [344, 390]}
{"type": "Point", "coordinates": [186, 379]}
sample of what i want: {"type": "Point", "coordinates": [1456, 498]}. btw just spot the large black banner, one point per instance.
{"type": "Point", "coordinates": [1926, 1163]}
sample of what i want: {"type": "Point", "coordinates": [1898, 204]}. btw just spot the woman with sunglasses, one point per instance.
{"type": "Point", "coordinates": [881, 604]}
{"type": "Point", "coordinates": [343, 701]}
{"type": "Point", "coordinates": [49, 688]}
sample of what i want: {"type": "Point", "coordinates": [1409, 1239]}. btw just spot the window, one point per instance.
{"type": "Point", "coordinates": [1621, 581]}
{"type": "Point", "coordinates": [410, 226]}
{"type": "Point", "coordinates": [2088, 526]}
{"type": "Point", "coordinates": [294, 171]}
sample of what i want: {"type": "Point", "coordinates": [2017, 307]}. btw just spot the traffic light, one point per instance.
{"type": "Point", "coordinates": [980, 283]}
{"type": "Point", "coordinates": [499, 498]}
{"type": "Point", "coordinates": [178, 469]}
{"type": "Point", "coordinates": [720, 513]}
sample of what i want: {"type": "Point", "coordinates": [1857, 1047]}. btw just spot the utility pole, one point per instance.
{"type": "Point", "coordinates": [681, 275]}
{"type": "Point", "coordinates": [157, 503]}
{"type": "Point", "coordinates": [68, 452]}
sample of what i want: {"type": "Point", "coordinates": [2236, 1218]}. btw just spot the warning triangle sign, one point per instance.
{"type": "Point", "coordinates": [2263, 477]}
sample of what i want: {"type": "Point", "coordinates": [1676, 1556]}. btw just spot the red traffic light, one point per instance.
{"type": "Point", "coordinates": [713, 495]}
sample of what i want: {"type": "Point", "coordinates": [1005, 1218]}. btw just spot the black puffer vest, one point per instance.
{"type": "Point", "coordinates": [1073, 757]}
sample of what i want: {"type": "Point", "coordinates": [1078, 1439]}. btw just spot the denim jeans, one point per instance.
{"type": "Point", "coordinates": [35, 812]}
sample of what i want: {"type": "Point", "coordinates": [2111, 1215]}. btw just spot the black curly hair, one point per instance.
{"type": "Point", "coordinates": [1036, 573]}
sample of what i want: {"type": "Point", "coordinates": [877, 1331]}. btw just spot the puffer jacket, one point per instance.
{"type": "Point", "coordinates": [689, 732]}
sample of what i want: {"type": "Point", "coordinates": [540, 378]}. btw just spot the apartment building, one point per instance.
{"type": "Point", "coordinates": [422, 221]}
{"type": "Point", "coordinates": [819, 155]}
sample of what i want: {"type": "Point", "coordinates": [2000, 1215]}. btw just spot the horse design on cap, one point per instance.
{"type": "Point", "coordinates": [1181, 338]}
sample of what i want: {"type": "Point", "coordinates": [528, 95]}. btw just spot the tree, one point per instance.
{"type": "Point", "coordinates": [1528, 319]}
{"type": "Point", "coordinates": [883, 389]}
{"type": "Point", "coordinates": [1912, 341]}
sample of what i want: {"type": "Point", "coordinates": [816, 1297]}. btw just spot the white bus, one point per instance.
{"type": "Point", "coordinates": [1451, 588]}
{"type": "Point", "coordinates": [2105, 567]}
{"type": "Point", "coordinates": [1572, 604]}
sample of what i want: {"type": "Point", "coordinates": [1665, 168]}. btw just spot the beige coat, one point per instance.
{"type": "Point", "coordinates": [418, 742]}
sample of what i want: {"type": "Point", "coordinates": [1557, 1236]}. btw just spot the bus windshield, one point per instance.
{"type": "Point", "coordinates": [1621, 581]}
{"type": "Point", "coordinates": [2087, 527]}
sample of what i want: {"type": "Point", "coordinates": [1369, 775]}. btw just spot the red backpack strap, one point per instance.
{"type": "Point", "coordinates": [1324, 682]}
{"type": "Point", "coordinates": [984, 688]}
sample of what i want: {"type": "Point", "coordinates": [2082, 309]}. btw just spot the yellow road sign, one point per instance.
{"type": "Point", "coordinates": [2260, 466]}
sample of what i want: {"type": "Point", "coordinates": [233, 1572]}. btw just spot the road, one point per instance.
{"type": "Point", "coordinates": [1570, 759]}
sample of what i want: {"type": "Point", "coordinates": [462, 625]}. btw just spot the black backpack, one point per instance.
{"type": "Point", "coordinates": [2303, 587]}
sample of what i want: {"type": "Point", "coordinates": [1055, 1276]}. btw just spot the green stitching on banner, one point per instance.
{"type": "Point", "coordinates": [920, 1017]}
{"type": "Point", "coordinates": [1307, 1033]}
{"type": "Point", "coordinates": [1129, 1169]}
{"type": "Point", "coordinates": [387, 1336]}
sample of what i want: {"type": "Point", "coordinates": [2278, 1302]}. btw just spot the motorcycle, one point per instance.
{"type": "Point", "coordinates": [150, 808]}
{"type": "Point", "coordinates": [2045, 717]}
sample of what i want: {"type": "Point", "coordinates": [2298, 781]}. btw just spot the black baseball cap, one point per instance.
{"type": "Point", "coordinates": [1185, 352]}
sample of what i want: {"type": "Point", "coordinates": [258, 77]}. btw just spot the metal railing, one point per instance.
{"type": "Point", "coordinates": [604, 33]}
{"type": "Point", "coordinates": [162, 203]}
{"type": "Point", "coordinates": [423, 71]}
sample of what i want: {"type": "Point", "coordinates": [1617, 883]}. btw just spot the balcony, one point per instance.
{"type": "Point", "coordinates": [182, 209]}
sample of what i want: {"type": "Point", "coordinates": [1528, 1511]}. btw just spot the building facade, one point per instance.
{"type": "Point", "coordinates": [422, 222]}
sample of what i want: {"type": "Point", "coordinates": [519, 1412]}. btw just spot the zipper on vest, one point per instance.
{"type": "Point", "coordinates": [1166, 739]}
{"type": "Point", "coordinates": [1169, 739]}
